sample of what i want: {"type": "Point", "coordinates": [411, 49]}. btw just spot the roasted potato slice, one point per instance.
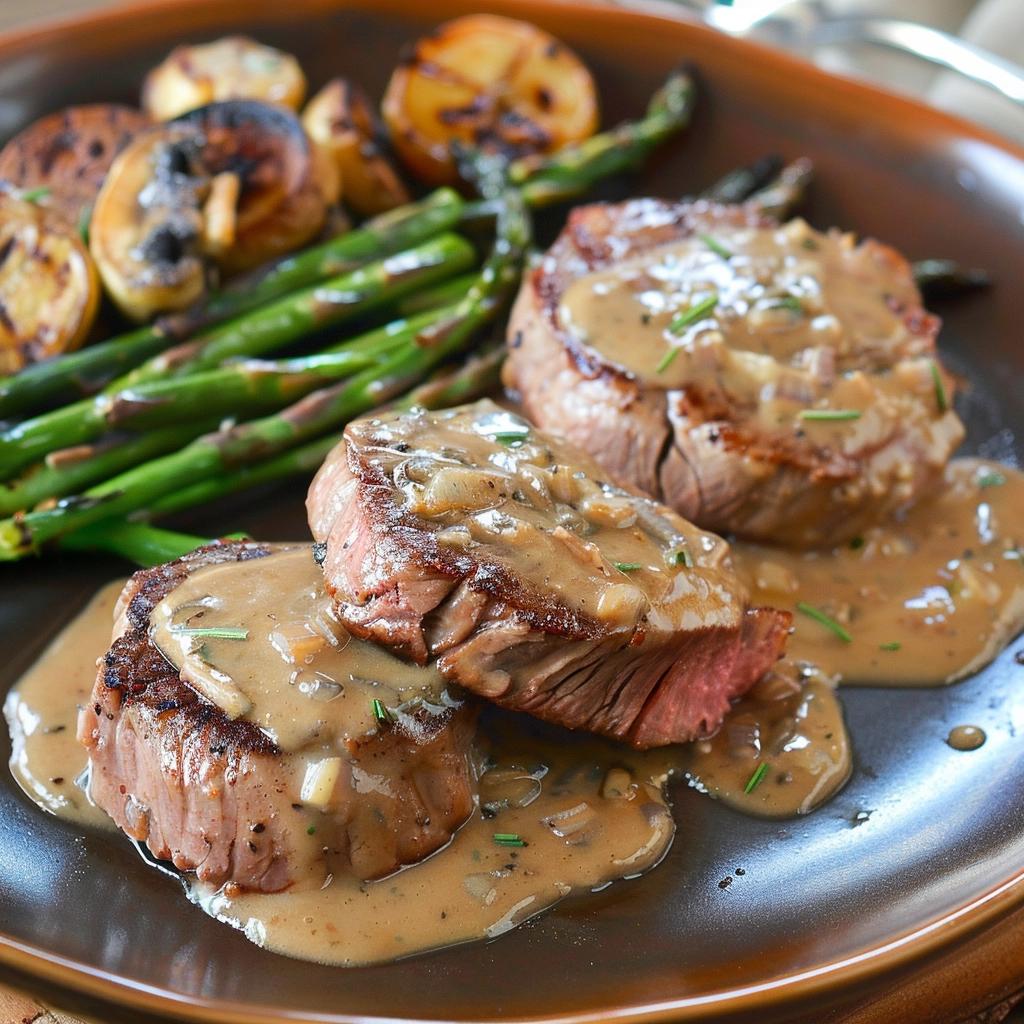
{"type": "Point", "coordinates": [487, 82]}
{"type": "Point", "coordinates": [230, 68]}
{"type": "Point", "coordinates": [340, 120]}
{"type": "Point", "coordinates": [49, 289]}
{"type": "Point", "coordinates": [229, 186]}
{"type": "Point", "coordinates": [69, 154]}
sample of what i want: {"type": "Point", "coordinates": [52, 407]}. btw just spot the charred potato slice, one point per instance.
{"type": "Point", "coordinates": [487, 81]}
{"type": "Point", "coordinates": [229, 186]}
{"type": "Point", "coordinates": [69, 154]}
{"type": "Point", "coordinates": [340, 120]}
{"type": "Point", "coordinates": [49, 289]}
{"type": "Point", "coordinates": [231, 68]}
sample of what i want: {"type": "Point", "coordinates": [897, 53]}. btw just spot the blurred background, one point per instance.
{"type": "Point", "coordinates": [907, 45]}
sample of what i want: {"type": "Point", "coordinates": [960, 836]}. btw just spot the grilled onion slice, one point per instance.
{"type": "Point", "coordinates": [49, 289]}
{"type": "Point", "coordinates": [229, 186]}
{"type": "Point", "coordinates": [230, 68]}
{"type": "Point", "coordinates": [487, 81]}
{"type": "Point", "coordinates": [340, 120]}
{"type": "Point", "coordinates": [68, 154]}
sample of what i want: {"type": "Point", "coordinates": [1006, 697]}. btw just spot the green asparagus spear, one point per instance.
{"type": "Point", "coordinates": [780, 196]}
{"type": "Point", "coordinates": [572, 170]}
{"type": "Point", "coordinates": [391, 232]}
{"type": "Point", "coordinates": [90, 369]}
{"type": "Point", "coordinates": [161, 390]}
{"type": "Point", "coordinates": [69, 470]}
{"type": "Point", "coordinates": [475, 378]}
{"type": "Point", "coordinates": [436, 295]}
{"type": "Point", "coordinates": [240, 389]}
{"type": "Point", "coordinates": [138, 542]}
{"type": "Point", "coordinates": [314, 415]}
{"type": "Point", "coordinates": [478, 376]}
{"type": "Point", "coordinates": [737, 185]}
{"type": "Point", "coordinates": [324, 305]}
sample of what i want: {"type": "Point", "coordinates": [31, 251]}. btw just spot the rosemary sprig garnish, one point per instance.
{"type": "Point", "coordinates": [84, 219]}
{"type": "Point", "coordinates": [790, 302]}
{"type": "Point", "coordinates": [698, 311]}
{"type": "Point", "coordinates": [891, 645]}
{"type": "Point", "coordinates": [33, 195]}
{"type": "Point", "coordinates": [666, 360]}
{"type": "Point", "coordinates": [716, 246]}
{"type": "Point", "coordinates": [509, 437]}
{"type": "Point", "coordinates": [212, 632]}
{"type": "Point", "coordinates": [822, 619]}
{"type": "Point", "coordinates": [682, 556]}
{"type": "Point", "coordinates": [627, 566]}
{"type": "Point", "coordinates": [992, 479]}
{"type": "Point", "coordinates": [380, 712]}
{"type": "Point", "coordinates": [829, 414]}
{"type": "Point", "coordinates": [757, 778]}
{"type": "Point", "coordinates": [509, 839]}
{"type": "Point", "coordinates": [941, 399]}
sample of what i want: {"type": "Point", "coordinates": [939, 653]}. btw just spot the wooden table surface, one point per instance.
{"type": "Point", "coordinates": [995, 1007]}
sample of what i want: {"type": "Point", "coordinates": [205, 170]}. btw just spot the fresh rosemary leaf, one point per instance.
{"type": "Point", "coordinates": [757, 778]}
{"type": "Point", "coordinates": [698, 311]}
{"type": "Point", "coordinates": [830, 414]}
{"type": "Point", "coordinates": [716, 247]}
{"type": "Point", "coordinates": [212, 632]}
{"type": "Point", "coordinates": [822, 619]}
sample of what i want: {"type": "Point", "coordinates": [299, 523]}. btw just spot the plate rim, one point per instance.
{"type": "Point", "coordinates": [867, 963]}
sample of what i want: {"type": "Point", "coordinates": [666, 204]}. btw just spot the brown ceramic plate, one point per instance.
{"type": "Point", "coordinates": [823, 905]}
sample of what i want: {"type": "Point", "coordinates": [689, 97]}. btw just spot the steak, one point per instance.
{"type": "Point", "coordinates": [764, 380]}
{"type": "Point", "coordinates": [468, 536]}
{"type": "Point", "coordinates": [216, 795]}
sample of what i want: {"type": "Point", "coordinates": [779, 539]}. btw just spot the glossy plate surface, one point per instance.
{"type": "Point", "coordinates": [823, 903]}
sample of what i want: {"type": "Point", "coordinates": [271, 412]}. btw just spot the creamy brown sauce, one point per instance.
{"type": "Point", "coordinates": [966, 737]}
{"type": "Point", "coordinates": [489, 483]}
{"type": "Point", "coordinates": [925, 600]}
{"type": "Point", "coordinates": [586, 814]}
{"type": "Point", "coordinates": [277, 656]}
{"type": "Point", "coordinates": [776, 323]}
{"type": "Point", "coordinates": [41, 712]}
{"type": "Point", "coordinates": [783, 749]}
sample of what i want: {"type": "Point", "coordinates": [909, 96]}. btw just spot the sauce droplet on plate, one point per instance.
{"type": "Point", "coordinates": [966, 737]}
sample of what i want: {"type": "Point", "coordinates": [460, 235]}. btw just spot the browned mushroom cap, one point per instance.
{"type": "Point", "coordinates": [284, 188]}
{"type": "Point", "coordinates": [69, 153]}
{"type": "Point", "coordinates": [229, 185]}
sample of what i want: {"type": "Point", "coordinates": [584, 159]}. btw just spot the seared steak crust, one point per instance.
{"type": "Point", "coordinates": [216, 796]}
{"type": "Point", "coordinates": [498, 635]}
{"type": "Point", "coordinates": [693, 448]}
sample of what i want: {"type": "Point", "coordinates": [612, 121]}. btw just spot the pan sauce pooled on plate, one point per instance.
{"type": "Point", "coordinates": [545, 817]}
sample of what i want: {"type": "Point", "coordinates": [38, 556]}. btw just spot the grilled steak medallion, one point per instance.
{"type": "Point", "coordinates": [469, 536]}
{"type": "Point", "coordinates": [217, 793]}
{"type": "Point", "coordinates": [768, 381]}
